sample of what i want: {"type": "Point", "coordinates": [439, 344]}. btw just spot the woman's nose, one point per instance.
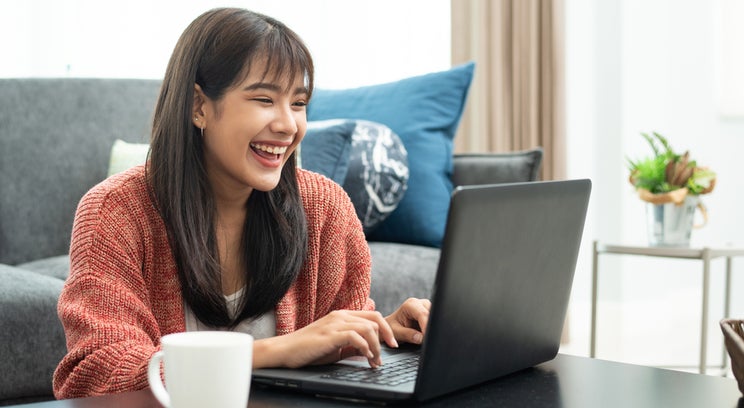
{"type": "Point", "coordinates": [284, 121]}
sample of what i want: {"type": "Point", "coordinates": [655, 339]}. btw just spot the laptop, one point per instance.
{"type": "Point", "coordinates": [498, 304]}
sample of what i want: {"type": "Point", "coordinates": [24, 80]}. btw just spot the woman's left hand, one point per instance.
{"type": "Point", "coordinates": [409, 321]}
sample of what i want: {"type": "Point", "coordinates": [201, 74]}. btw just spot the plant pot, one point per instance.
{"type": "Point", "coordinates": [671, 224]}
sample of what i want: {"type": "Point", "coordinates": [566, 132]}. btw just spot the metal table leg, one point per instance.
{"type": "Point", "coordinates": [593, 335]}
{"type": "Point", "coordinates": [726, 312]}
{"type": "Point", "coordinates": [704, 323]}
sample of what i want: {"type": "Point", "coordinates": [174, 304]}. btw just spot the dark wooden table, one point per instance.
{"type": "Point", "coordinates": [567, 381]}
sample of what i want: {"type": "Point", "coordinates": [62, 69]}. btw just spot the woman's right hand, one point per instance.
{"type": "Point", "coordinates": [338, 335]}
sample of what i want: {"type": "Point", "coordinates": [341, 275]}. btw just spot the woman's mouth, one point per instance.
{"type": "Point", "coordinates": [268, 151]}
{"type": "Point", "coordinates": [267, 154]}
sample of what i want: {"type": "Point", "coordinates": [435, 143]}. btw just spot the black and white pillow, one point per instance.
{"type": "Point", "coordinates": [377, 177]}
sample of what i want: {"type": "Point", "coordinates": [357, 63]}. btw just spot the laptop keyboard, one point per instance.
{"type": "Point", "coordinates": [392, 373]}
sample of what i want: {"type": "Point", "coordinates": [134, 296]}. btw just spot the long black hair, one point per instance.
{"type": "Point", "coordinates": [216, 52]}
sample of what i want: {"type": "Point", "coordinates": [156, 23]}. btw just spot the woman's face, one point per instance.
{"type": "Point", "coordinates": [251, 131]}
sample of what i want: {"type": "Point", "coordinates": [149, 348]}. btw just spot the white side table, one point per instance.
{"type": "Point", "coordinates": [706, 254]}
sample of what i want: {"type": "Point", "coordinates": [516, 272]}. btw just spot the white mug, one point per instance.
{"type": "Point", "coordinates": [203, 369]}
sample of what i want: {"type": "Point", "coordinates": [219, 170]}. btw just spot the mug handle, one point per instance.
{"type": "Point", "coordinates": [156, 382]}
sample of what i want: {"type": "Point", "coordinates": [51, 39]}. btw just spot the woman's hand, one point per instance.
{"type": "Point", "coordinates": [409, 321]}
{"type": "Point", "coordinates": [338, 335]}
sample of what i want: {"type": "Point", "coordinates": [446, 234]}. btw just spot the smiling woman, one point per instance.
{"type": "Point", "coordinates": [134, 38]}
{"type": "Point", "coordinates": [219, 229]}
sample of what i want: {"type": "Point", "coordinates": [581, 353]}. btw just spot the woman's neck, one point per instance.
{"type": "Point", "coordinates": [230, 220]}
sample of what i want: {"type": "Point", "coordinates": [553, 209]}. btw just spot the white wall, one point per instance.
{"type": "Point", "coordinates": [354, 42]}
{"type": "Point", "coordinates": [639, 66]}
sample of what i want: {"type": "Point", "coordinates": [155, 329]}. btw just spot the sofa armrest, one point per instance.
{"type": "Point", "coordinates": [494, 168]}
{"type": "Point", "coordinates": [32, 341]}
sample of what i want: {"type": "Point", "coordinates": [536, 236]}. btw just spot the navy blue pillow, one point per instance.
{"type": "Point", "coordinates": [326, 148]}
{"type": "Point", "coordinates": [424, 112]}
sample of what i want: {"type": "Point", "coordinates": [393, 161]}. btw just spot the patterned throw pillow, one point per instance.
{"type": "Point", "coordinates": [326, 148]}
{"type": "Point", "coordinates": [377, 178]}
{"type": "Point", "coordinates": [424, 111]}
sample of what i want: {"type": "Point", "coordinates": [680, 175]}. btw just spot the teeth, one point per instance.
{"type": "Point", "coordinates": [270, 149]}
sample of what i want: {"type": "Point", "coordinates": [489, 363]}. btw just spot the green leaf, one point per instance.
{"type": "Point", "coordinates": [650, 173]}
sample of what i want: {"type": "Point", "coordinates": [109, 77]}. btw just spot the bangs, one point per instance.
{"type": "Point", "coordinates": [285, 60]}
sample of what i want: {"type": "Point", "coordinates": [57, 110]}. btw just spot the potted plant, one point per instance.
{"type": "Point", "coordinates": [671, 184]}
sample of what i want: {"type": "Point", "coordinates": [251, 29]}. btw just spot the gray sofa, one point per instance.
{"type": "Point", "coordinates": [55, 141]}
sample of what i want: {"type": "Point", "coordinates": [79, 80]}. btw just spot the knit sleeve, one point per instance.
{"type": "Point", "coordinates": [104, 308]}
{"type": "Point", "coordinates": [338, 250]}
{"type": "Point", "coordinates": [359, 264]}
{"type": "Point", "coordinates": [356, 258]}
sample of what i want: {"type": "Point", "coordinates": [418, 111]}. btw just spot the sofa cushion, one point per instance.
{"type": "Point", "coordinates": [400, 271]}
{"type": "Point", "coordinates": [494, 168]}
{"type": "Point", "coordinates": [424, 111]}
{"type": "Point", "coordinates": [55, 267]}
{"type": "Point", "coordinates": [125, 155]}
{"type": "Point", "coordinates": [378, 172]}
{"type": "Point", "coordinates": [326, 148]}
{"type": "Point", "coordinates": [32, 341]}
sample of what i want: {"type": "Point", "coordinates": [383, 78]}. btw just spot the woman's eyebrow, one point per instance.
{"type": "Point", "coordinates": [262, 85]}
{"type": "Point", "coordinates": [273, 87]}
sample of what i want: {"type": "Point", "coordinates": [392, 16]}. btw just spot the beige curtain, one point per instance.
{"type": "Point", "coordinates": [516, 99]}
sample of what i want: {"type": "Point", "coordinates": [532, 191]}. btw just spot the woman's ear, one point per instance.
{"type": "Point", "coordinates": [199, 118]}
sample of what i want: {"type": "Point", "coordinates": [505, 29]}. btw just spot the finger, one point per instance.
{"type": "Point", "coordinates": [385, 332]}
{"type": "Point", "coordinates": [417, 310]}
{"type": "Point", "coordinates": [414, 304]}
{"type": "Point", "coordinates": [387, 335]}
{"type": "Point", "coordinates": [347, 352]}
{"type": "Point", "coordinates": [423, 317]}
{"type": "Point", "coordinates": [370, 324]}
{"type": "Point", "coordinates": [351, 338]}
{"type": "Point", "coordinates": [409, 335]}
{"type": "Point", "coordinates": [372, 338]}
{"type": "Point", "coordinates": [367, 332]}
{"type": "Point", "coordinates": [424, 322]}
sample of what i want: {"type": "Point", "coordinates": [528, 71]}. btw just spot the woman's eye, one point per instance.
{"type": "Point", "coordinates": [263, 100]}
{"type": "Point", "coordinates": [300, 103]}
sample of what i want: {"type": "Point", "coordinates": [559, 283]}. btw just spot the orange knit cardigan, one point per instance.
{"type": "Point", "coordinates": [123, 292]}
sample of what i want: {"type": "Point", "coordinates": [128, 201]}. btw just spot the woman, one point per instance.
{"type": "Point", "coordinates": [220, 230]}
